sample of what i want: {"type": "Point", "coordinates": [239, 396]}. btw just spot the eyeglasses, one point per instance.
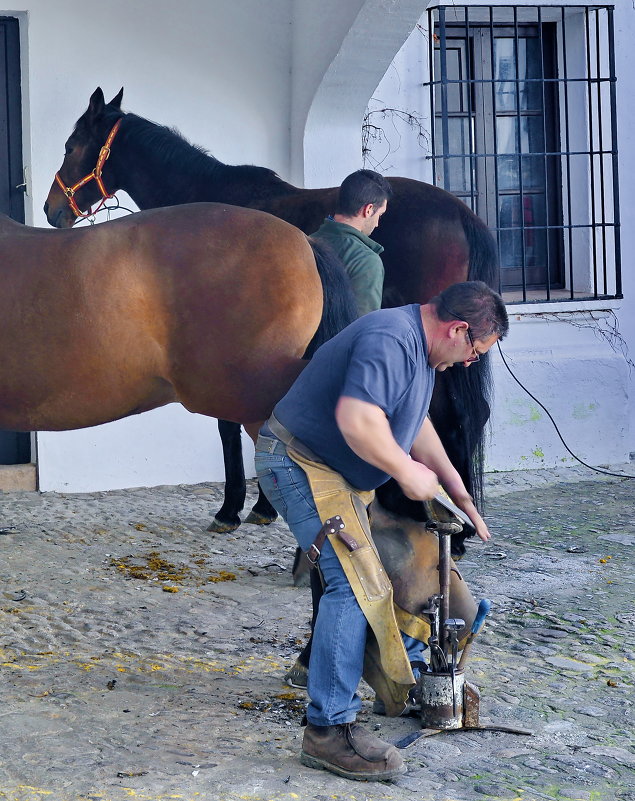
{"type": "Point", "coordinates": [475, 355]}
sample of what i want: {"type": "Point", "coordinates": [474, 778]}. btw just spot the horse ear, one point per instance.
{"type": "Point", "coordinates": [96, 103]}
{"type": "Point", "coordinates": [116, 101]}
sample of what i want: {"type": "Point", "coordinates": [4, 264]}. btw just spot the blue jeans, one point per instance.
{"type": "Point", "coordinates": [339, 636]}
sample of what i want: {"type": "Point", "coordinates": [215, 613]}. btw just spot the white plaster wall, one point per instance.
{"type": "Point", "coordinates": [398, 149]}
{"type": "Point", "coordinates": [625, 89]}
{"type": "Point", "coordinates": [580, 380]}
{"type": "Point", "coordinates": [587, 384]}
{"type": "Point", "coordinates": [164, 446]}
{"type": "Point", "coordinates": [341, 50]}
{"type": "Point", "coordinates": [220, 72]}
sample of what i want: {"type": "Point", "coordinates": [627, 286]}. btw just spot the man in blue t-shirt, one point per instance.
{"type": "Point", "coordinates": [360, 407]}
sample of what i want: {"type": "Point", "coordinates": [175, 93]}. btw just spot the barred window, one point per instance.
{"type": "Point", "coordinates": [523, 104]}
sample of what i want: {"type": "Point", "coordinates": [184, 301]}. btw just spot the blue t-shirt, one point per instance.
{"type": "Point", "coordinates": [381, 358]}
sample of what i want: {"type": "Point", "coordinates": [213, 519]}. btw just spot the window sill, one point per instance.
{"type": "Point", "coordinates": [554, 306]}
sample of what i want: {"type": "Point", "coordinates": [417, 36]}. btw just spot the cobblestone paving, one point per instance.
{"type": "Point", "coordinates": [141, 658]}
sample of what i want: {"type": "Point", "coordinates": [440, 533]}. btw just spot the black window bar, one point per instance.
{"type": "Point", "coordinates": [525, 131]}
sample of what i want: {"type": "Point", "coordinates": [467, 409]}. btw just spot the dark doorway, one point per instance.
{"type": "Point", "coordinates": [15, 448]}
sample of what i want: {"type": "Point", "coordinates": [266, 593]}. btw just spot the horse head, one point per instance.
{"type": "Point", "coordinates": [85, 176]}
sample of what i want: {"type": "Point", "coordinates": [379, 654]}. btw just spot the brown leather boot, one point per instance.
{"type": "Point", "coordinates": [350, 751]}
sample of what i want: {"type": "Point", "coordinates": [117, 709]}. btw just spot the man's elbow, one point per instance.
{"type": "Point", "coordinates": [349, 419]}
{"type": "Point", "coordinates": [355, 419]}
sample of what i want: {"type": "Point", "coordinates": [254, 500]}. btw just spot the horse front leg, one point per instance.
{"type": "Point", "coordinates": [227, 518]}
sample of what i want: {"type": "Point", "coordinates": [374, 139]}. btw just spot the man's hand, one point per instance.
{"type": "Point", "coordinates": [418, 482]}
{"type": "Point", "coordinates": [464, 501]}
{"type": "Point", "coordinates": [428, 449]}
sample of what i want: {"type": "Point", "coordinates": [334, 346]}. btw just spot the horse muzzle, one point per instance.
{"type": "Point", "coordinates": [60, 217]}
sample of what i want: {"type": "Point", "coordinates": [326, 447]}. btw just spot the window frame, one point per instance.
{"type": "Point", "coordinates": [570, 233]}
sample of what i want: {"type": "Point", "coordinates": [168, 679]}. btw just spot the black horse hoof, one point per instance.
{"type": "Point", "coordinates": [222, 527]}
{"type": "Point", "coordinates": [297, 675]}
{"type": "Point", "coordinates": [259, 519]}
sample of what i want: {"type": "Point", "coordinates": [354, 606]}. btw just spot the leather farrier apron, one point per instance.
{"type": "Point", "coordinates": [413, 566]}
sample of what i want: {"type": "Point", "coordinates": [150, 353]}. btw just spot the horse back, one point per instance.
{"type": "Point", "coordinates": [423, 232]}
{"type": "Point", "coordinates": [245, 297]}
{"type": "Point", "coordinates": [212, 306]}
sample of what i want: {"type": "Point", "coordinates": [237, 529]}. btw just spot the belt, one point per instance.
{"type": "Point", "coordinates": [270, 445]}
{"type": "Point", "coordinates": [281, 439]}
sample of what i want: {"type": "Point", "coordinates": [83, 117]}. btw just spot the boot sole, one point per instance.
{"type": "Point", "coordinates": [374, 776]}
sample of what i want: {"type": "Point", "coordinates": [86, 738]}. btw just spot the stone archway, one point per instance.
{"type": "Point", "coordinates": [339, 57]}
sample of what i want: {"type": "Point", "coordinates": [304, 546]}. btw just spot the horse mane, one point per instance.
{"type": "Point", "coordinates": [168, 147]}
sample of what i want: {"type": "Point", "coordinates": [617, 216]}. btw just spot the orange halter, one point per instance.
{"type": "Point", "coordinates": [69, 191]}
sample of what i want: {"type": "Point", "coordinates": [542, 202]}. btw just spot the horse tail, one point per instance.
{"type": "Point", "coordinates": [467, 405]}
{"type": "Point", "coordinates": [471, 390]}
{"type": "Point", "coordinates": [483, 264]}
{"type": "Point", "coordinates": [339, 307]}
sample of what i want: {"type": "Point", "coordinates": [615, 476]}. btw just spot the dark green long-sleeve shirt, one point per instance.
{"type": "Point", "coordinates": [360, 255]}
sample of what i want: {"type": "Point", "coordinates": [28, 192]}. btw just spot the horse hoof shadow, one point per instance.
{"type": "Point", "coordinates": [259, 519]}
{"type": "Point", "coordinates": [220, 527]}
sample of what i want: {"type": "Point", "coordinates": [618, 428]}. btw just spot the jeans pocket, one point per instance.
{"type": "Point", "coordinates": [269, 485]}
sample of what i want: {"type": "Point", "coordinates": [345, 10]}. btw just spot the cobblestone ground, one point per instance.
{"type": "Point", "coordinates": [142, 658]}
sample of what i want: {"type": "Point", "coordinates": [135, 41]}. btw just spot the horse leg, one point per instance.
{"type": "Point", "coordinates": [298, 673]}
{"type": "Point", "coordinates": [227, 518]}
{"type": "Point", "coordinates": [262, 512]}
{"type": "Point", "coordinates": [301, 569]}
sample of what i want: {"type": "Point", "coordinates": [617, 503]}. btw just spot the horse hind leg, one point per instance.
{"type": "Point", "coordinates": [228, 516]}
{"type": "Point", "coordinates": [262, 513]}
{"type": "Point", "coordinates": [298, 673]}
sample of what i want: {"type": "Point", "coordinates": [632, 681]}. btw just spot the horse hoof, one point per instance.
{"type": "Point", "coordinates": [297, 676]}
{"type": "Point", "coordinates": [302, 571]}
{"type": "Point", "coordinates": [302, 579]}
{"type": "Point", "coordinates": [258, 519]}
{"type": "Point", "coordinates": [219, 527]}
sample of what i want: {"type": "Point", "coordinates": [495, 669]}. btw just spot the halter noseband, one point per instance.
{"type": "Point", "coordinates": [69, 191]}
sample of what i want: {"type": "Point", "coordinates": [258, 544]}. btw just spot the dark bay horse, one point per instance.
{"type": "Point", "coordinates": [209, 305]}
{"type": "Point", "coordinates": [431, 240]}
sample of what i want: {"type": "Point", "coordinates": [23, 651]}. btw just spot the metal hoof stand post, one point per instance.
{"type": "Point", "coordinates": [448, 701]}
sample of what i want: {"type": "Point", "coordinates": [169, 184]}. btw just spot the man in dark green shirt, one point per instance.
{"type": "Point", "coordinates": [363, 198]}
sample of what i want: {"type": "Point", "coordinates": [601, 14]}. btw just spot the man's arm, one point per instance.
{"type": "Point", "coordinates": [428, 449]}
{"type": "Point", "coordinates": [367, 432]}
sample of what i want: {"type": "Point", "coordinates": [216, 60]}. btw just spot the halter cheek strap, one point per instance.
{"type": "Point", "coordinates": [69, 191]}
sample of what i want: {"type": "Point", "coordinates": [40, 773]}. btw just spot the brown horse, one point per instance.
{"type": "Point", "coordinates": [209, 305]}
{"type": "Point", "coordinates": [431, 240]}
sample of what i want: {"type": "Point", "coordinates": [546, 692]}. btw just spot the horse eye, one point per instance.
{"type": "Point", "coordinates": [68, 150]}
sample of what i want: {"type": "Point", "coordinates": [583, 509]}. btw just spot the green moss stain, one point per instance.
{"type": "Point", "coordinates": [582, 411]}
{"type": "Point", "coordinates": [520, 413]}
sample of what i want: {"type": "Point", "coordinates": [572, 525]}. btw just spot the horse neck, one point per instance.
{"type": "Point", "coordinates": [170, 171]}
